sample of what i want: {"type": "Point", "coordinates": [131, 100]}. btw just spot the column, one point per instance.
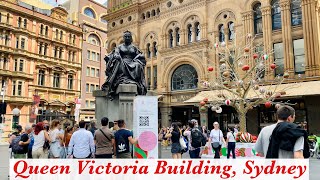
{"type": "Point", "coordinates": [203, 117]}
{"type": "Point", "coordinates": [311, 38]}
{"type": "Point", "coordinates": [163, 41]}
{"type": "Point", "coordinates": [203, 30]}
{"type": "Point", "coordinates": [166, 113]}
{"type": "Point", "coordinates": [267, 39]}
{"type": "Point", "coordinates": [183, 37]}
{"type": "Point", "coordinates": [193, 31]}
{"type": "Point", "coordinates": [287, 37]}
{"type": "Point", "coordinates": [174, 42]}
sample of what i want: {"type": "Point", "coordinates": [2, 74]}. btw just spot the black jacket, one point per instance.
{"type": "Point", "coordinates": [284, 137]}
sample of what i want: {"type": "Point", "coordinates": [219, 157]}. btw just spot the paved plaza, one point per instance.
{"type": "Point", "coordinates": [165, 154]}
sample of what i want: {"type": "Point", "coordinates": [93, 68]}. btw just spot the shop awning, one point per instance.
{"type": "Point", "coordinates": [292, 90]}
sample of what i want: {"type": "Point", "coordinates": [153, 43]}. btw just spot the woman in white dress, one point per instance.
{"type": "Point", "coordinates": [56, 138]}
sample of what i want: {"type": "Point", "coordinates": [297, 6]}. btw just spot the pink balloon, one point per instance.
{"type": "Point", "coordinates": [147, 141]}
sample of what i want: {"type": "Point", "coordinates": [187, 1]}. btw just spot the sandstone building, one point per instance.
{"type": "Point", "coordinates": [177, 37]}
{"type": "Point", "coordinates": [40, 54]}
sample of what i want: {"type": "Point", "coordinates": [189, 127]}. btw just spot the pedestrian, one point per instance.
{"type": "Point", "coordinates": [205, 132]}
{"type": "Point", "coordinates": [231, 142]}
{"type": "Point", "coordinates": [11, 137]}
{"type": "Point", "coordinates": [56, 138]}
{"type": "Point", "coordinates": [40, 136]}
{"type": "Point", "coordinates": [31, 142]}
{"type": "Point", "coordinates": [174, 134]}
{"type": "Point", "coordinates": [123, 139]}
{"type": "Point", "coordinates": [216, 139]}
{"type": "Point", "coordinates": [92, 127]}
{"type": "Point", "coordinates": [65, 142]}
{"type": "Point", "coordinates": [284, 140]}
{"type": "Point", "coordinates": [21, 142]}
{"type": "Point", "coordinates": [81, 144]}
{"type": "Point", "coordinates": [46, 146]}
{"type": "Point", "coordinates": [115, 127]}
{"type": "Point", "coordinates": [76, 127]}
{"type": "Point", "coordinates": [104, 140]}
{"type": "Point", "coordinates": [195, 138]}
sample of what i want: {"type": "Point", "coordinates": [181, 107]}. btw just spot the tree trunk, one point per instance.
{"type": "Point", "coordinates": [243, 122]}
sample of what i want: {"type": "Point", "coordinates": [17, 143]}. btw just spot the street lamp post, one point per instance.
{"type": "Point", "coordinates": [2, 115]}
{"type": "Point", "coordinates": [16, 114]}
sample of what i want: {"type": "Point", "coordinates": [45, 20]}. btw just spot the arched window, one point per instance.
{"type": "Point", "coordinates": [184, 77]}
{"type": "Point", "coordinates": [57, 33]}
{"type": "Point", "coordinates": [148, 51]}
{"type": "Point", "coordinates": [148, 14]}
{"type": "Point", "coordinates": [41, 29]}
{"type": "Point", "coordinates": [94, 39]}
{"type": "Point", "coordinates": [153, 12]}
{"type": "Point", "coordinates": [155, 50]}
{"type": "Point", "coordinates": [74, 40]}
{"type": "Point", "coordinates": [143, 16]}
{"type": "Point", "coordinates": [276, 15]}
{"type": "Point", "coordinates": [8, 18]}
{"type": "Point", "coordinates": [47, 30]}
{"type": "Point", "coordinates": [25, 23]}
{"type": "Point", "coordinates": [177, 37]}
{"type": "Point", "coordinates": [257, 19]}
{"type": "Point", "coordinates": [296, 13]}
{"type": "Point", "coordinates": [221, 33]}
{"type": "Point", "coordinates": [158, 11]}
{"type": "Point", "coordinates": [189, 27]}
{"type": "Point", "coordinates": [89, 12]}
{"type": "Point", "coordinates": [197, 30]}
{"type": "Point", "coordinates": [19, 21]}
{"type": "Point", "coordinates": [231, 30]}
{"type": "Point", "coordinates": [170, 38]}
{"type": "Point", "coordinates": [61, 35]}
{"type": "Point", "coordinates": [70, 81]}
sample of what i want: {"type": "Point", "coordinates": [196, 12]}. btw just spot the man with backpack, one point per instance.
{"type": "Point", "coordinates": [123, 139]}
{"type": "Point", "coordinates": [104, 140]}
{"type": "Point", "coordinates": [196, 140]}
{"type": "Point", "coordinates": [20, 143]}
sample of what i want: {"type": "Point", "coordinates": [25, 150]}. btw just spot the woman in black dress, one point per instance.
{"type": "Point", "coordinates": [175, 135]}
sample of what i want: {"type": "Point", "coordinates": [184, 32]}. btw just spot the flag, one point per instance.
{"type": "Point", "coordinates": [34, 108]}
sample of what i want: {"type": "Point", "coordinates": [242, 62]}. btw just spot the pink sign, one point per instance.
{"type": "Point", "coordinates": [147, 141]}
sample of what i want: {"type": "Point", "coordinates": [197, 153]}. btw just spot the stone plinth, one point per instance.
{"type": "Point", "coordinates": [121, 107]}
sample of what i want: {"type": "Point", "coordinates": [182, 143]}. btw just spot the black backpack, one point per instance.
{"type": "Point", "coordinates": [16, 148]}
{"type": "Point", "coordinates": [197, 138]}
{"type": "Point", "coordinates": [121, 145]}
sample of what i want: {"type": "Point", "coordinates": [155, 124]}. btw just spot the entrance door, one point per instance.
{"type": "Point", "coordinates": [184, 114]}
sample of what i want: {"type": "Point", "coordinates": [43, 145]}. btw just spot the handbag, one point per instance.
{"type": "Point", "coordinates": [216, 144]}
{"type": "Point", "coordinates": [183, 144]}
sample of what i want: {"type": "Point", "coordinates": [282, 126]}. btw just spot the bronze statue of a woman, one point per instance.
{"type": "Point", "coordinates": [125, 65]}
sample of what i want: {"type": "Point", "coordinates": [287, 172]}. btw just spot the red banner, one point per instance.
{"type": "Point", "coordinates": [34, 108]}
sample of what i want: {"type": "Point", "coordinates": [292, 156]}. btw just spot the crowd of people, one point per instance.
{"type": "Point", "coordinates": [44, 140]}
{"type": "Point", "coordinates": [285, 139]}
{"type": "Point", "coordinates": [196, 138]}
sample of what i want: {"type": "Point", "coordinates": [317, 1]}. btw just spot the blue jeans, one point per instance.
{"type": "Point", "coordinates": [231, 148]}
{"type": "Point", "coordinates": [195, 154]}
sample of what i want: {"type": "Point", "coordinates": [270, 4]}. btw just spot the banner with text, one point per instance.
{"type": "Point", "coordinates": [146, 169]}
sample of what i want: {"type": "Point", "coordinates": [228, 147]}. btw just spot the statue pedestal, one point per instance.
{"type": "Point", "coordinates": [120, 108]}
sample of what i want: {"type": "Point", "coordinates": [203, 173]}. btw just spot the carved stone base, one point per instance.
{"type": "Point", "coordinates": [119, 108]}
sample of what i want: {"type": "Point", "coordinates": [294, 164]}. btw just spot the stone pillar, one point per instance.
{"type": "Point", "coordinates": [174, 42]}
{"type": "Point", "coordinates": [183, 37]}
{"type": "Point", "coordinates": [311, 37]}
{"type": "Point", "coordinates": [267, 39]}
{"type": "Point", "coordinates": [166, 113]}
{"type": "Point", "coordinates": [120, 108]}
{"type": "Point", "coordinates": [203, 31]}
{"type": "Point", "coordinates": [193, 31]}
{"type": "Point", "coordinates": [203, 117]}
{"type": "Point", "coordinates": [287, 37]}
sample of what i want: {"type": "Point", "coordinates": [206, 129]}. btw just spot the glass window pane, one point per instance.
{"type": "Point", "coordinates": [276, 15]}
{"type": "Point", "coordinates": [88, 55]}
{"type": "Point", "coordinates": [299, 56]}
{"type": "Point", "coordinates": [296, 13]}
{"type": "Point", "coordinates": [98, 73]}
{"type": "Point", "coordinates": [19, 88]}
{"type": "Point", "coordinates": [88, 71]}
{"type": "Point", "coordinates": [279, 60]}
{"type": "Point", "coordinates": [91, 87]}
{"type": "Point", "coordinates": [184, 77]}
{"type": "Point", "coordinates": [93, 71]}
{"type": "Point", "coordinates": [87, 88]}
{"type": "Point", "coordinates": [93, 56]}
